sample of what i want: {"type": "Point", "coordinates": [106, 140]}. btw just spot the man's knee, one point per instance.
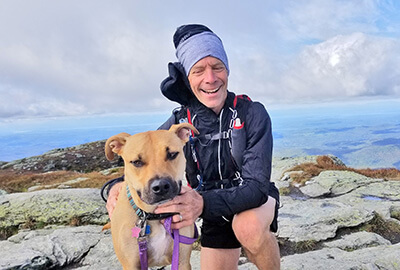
{"type": "Point", "coordinates": [249, 232]}
{"type": "Point", "coordinates": [247, 224]}
{"type": "Point", "coordinates": [252, 227]}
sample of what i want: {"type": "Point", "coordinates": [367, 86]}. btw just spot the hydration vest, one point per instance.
{"type": "Point", "coordinates": [236, 134]}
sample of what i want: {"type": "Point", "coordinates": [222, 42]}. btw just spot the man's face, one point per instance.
{"type": "Point", "coordinates": [208, 79]}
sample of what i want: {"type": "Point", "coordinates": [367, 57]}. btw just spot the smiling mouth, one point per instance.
{"type": "Point", "coordinates": [212, 91]}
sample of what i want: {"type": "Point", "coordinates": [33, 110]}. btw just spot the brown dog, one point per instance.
{"type": "Point", "coordinates": [154, 169]}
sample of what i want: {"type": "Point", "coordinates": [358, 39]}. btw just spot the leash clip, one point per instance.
{"type": "Point", "coordinates": [142, 225]}
{"type": "Point", "coordinates": [143, 229]}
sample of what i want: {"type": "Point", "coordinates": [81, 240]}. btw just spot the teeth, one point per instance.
{"type": "Point", "coordinates": [211, 91]}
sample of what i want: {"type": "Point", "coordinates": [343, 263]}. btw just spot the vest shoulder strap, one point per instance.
{"type": "Point", "coordinates": [238, 130]}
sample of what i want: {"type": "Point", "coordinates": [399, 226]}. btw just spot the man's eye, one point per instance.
{"type": "Point", "coordinates": [219, 68]}
{"type": "Point", "coordinates": [197, 71]}
{"type": "Point", "coordinates": [137, 163]}
{"type": "Point", "coordinates": [172, 155]}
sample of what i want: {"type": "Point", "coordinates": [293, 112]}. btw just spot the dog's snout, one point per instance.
{"type": "Point", "coordinates": [160, 189]}
{"type": "Point", "coordinates": [160, 186]}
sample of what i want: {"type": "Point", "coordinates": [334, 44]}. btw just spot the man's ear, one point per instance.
{"type": "Point", "coordinates": [115, 144]}
{"type": "Point", "coordinates": [183, 130]}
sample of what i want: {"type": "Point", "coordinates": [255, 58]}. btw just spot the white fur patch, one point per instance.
{"type": "Point", "coordinates": [159, 244]}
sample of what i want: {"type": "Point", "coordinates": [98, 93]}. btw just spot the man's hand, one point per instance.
{"type": "Point", "coordinates": [113, 197]}
{"type": "Point", "coordinates": [189, 204]}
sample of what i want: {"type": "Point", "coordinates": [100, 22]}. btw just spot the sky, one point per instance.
{"type": "Point", "coordinates": [72, 58]}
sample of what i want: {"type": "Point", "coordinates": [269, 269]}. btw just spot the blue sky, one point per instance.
{"type": "Point", "coordinates": [90, 57]}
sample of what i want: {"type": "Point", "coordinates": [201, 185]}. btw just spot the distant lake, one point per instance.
{"type": "Point", "coordinates": [364, 134]}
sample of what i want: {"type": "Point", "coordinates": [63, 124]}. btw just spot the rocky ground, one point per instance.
{"type": "Point", "coordinates": [337, 220]}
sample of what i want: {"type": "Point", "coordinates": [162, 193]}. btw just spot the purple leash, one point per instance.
{"type": "Point", "coordinates": [178, 239]}
{"type": "Point", "coordinates": [143, 253]}
{"type": "Point", "coordinates": [140, 234]}
{"type": "Point", "coordinates": [141, 230]}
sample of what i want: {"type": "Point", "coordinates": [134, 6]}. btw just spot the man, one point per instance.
{"type": "Point", "coordinates": [234, 196]}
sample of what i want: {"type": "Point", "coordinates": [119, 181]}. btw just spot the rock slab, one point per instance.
{"type": "Point", "coordinates": [331, 203]}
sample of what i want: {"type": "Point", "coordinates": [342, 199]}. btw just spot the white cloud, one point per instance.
{"type": "Point", "coordinates": [19, 102]}
{"type": "Point", "coordinates": [345, 66]}
{"type": "Point", "coordinates": [313, 19]}
{"type": "Point", "coordinates": [74, 57]}
{"type": "Point", "coordinates": [94, 66]}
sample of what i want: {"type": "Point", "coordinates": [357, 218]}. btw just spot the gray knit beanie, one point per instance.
{"type": "Point", "coordinates": [194, 42]}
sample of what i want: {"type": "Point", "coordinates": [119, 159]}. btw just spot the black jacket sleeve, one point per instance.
{"type": "Point", "coordinates": [256, 171]}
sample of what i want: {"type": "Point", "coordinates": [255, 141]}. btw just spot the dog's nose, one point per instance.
{"type": "Point", "coordinates": [160, 186]}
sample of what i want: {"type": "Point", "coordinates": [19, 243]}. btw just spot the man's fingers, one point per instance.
{"type": "Point", "coordinates": [177, 218]}
{"type": "Point", "coordinates": [116, 189]}
{"type": "Point", "coordinates": [178, 221]}
{"type": "Point", "coordinates": [189, 204]}
{"type": "Point", "coordinates": [180, 225]}
{"type": "Point", "coordinates": [178, 200]}
{"type": "Point", "coordinates": [111, 202]}
{"type": "Point", "coordinates": [168, 204]}
{"type": "Point", "coordinates": [113, 197]}
{"type": "Point", "coordinates": [185, 189]}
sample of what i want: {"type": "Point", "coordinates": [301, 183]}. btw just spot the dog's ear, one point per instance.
{"type": "Point", "coordinates": [183, 130]}
{"type": "Point", "coordinates": [115, 144]}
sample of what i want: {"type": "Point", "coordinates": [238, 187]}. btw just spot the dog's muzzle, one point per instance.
{"type": "Point", "coordinates": [161, 189]}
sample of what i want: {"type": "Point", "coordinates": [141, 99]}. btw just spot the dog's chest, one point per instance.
{"type": "Point", "coordinates": [160, 244]}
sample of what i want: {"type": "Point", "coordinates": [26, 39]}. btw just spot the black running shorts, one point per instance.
{"type": "Point", "coordinates": [221, 235]}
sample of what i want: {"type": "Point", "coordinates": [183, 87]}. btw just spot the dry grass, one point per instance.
{"type": "Point", "coordinates": [20, 182]}
{"type": "Point", "coordinates": [324, 163]}
{"type": "Point", "coordinates": [386, 228]}
{"type": "Point", "coordinates": [16, 182]}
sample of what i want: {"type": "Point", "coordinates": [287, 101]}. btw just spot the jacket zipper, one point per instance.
{"type": "Point", "coordinates": [219, 145]}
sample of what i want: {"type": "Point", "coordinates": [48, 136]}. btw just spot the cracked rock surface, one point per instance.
{"type": "Point", "coordinates": [337, 220]}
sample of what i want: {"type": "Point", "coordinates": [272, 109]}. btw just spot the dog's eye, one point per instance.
{"type": "Point", "coordinates": [172, 155]}
{"type": "Point", "coordinates": [137, 163]}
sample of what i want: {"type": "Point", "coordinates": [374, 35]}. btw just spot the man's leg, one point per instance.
{"type": "Point", "coordinates": [251, 228]}
{"type": "Point", "coordinates": [219, 259]}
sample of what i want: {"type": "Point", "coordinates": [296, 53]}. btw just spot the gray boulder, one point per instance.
{"type": "Point", "coordinates": [55, 248]}
{"type": "Point", "coordinates": [283, 164]}
{"type": "Point", "coordinates": [334, 183]}
{"type": "Point", "coordinates": [40, 208]}
{"type": "Point", "coordinates": [329, 212]}
{"type": "Point", "coordinates": [381, 257]}
{"type": "Point", "coordinates": [318, 220]}
{"type": "Point", "coordinates": [358, 240]}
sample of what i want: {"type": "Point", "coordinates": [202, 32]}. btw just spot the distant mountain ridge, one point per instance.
{"type": "Point", "coordinates": [86, 157]}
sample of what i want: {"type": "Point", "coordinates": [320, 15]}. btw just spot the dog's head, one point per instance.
{"type": "Point", "coordinates": [154, 162]}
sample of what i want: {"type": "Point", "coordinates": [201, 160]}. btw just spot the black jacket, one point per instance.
{"type": "Point", "coordinates": [215, 156]}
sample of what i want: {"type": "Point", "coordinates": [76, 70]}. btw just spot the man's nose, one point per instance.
{"type": "Point", "coordinates": [210, 75]}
